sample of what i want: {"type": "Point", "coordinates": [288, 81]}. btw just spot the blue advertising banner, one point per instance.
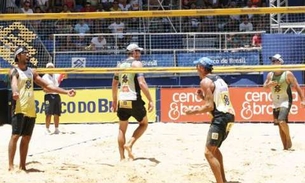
{"type": "Point", "coordinates": [221, 58]}
{"type": "Point", "coordinates": [93, 60]}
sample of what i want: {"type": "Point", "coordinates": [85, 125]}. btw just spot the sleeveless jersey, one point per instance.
{"type": "Point", "coordinates": [222, 102]}
{"type": "Point", "coordinates": [26, 102]}
{"type": "Point", "coordinates": [129, 85]}
{"type": "Point", "coordinates": [281, 93]}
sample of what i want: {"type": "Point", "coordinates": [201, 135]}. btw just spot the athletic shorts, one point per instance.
{"type": "Point", "coordinates": [22, 125]}
{"type": "Point", "coordinates": [281, 113]}
{"type": "Point", "coordinates": [220, 129]}
{"type": "Point", "coordinates": [52, 104]}
{"type": "Point", "coordinates": [136, 109]}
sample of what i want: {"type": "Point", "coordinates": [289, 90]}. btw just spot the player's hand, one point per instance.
{"type": "Point", "coordinates": [200, 94]}
{"type": "Point", "coordinates": [71, 93]}
{"type": "Point", "coordinates": [189, 111]}
{"type": "Point", "coordinates": [150, 106]}
{"type": "Point", "coordinates": [15, 95]}
{"type": "Point", "coordinates": [114, 106]}
{"type": "Point", "coordinates": [272, 83]}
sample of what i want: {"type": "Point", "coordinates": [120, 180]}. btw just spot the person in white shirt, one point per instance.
{"type": "Point", "coordinates": [52, 100]}
{"type": "Point", "coordinates": [98, 43]}
{"type": "Point", "coordinates": [26, 8]}
{"type": "Point", "coordinates": [118, 27]}
{"type": "Point", "coordinates": [136, 5]}
{"type": "Point", "coordinates": [245, 25]}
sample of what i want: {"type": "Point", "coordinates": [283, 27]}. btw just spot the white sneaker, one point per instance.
{"type": "Point", "coordinates": [48, 132]}
{"type": "Point", "coordinates": [56, 131]}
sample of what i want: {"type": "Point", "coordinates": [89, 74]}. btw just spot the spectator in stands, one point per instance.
{"type": "Point", "coordinates": [250, 5]}
{"type": "Point", "coordinates": [136, 5]}
{"type": "Point", "coordinates": [70, 4]}
{"type": "Point", "coordinates": [117, 27]}
{"type": "Point", "coordinates": [245, 25]}
{"type": "Point", "coordinates": [124, 6]}
{"type": "Point", "coordinates": [257, 40]}
{"type": "Point", "coordinates": [232, 41]}
{"type": "Point", "coordinates": [43, 4]}
{"type": "Point", "coordinates": [100, 7]}
{"type": "Point", "coordinates": [88, 8]}
{"type": "Point", "coordinates": [115, 6]}
{"type": "Point", "coordinates": [280, 83]}
{"type": "Point", "coordinates": [65, 9]}
{"type": "Point", "coordinates": [82, 27]}
{"type": "Point", "coordinates": [107, 4]}
{"type": "Point", "coordinates": [27, 8]}
{"type": "Point", "coordinates": [56, 5]}
{"type": "Point", "coordinates": [36, 23]}
{"type": "Point", "coordinates": [98, 43]}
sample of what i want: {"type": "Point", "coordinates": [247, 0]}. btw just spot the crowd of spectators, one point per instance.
{"type": "Point", "coordinates": [46, 28]}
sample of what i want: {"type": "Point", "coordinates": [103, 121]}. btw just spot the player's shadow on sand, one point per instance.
{"type": "Point", "coordinates": [154, 160]}
{"type": "Point", "coordinates": [32, 170]}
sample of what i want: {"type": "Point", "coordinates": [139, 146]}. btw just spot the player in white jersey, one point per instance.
{"type": "Point", "coordinates": [215, 93]}
{"type": "Point", "coordinates": [127, 101]}
{"type": "Point", "coordinates": [280, 83]}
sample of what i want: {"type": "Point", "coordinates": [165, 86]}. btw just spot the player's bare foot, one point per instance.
{"type": "Point", "coordinates": [129, 151]}
{"type": "Point", "coordinates": [11, 168]}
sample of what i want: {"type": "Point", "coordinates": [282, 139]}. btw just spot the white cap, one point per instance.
{"type": "Point", "coordinates": [277, 57]}
{"type": "Point", "coordinates": [50, 65]}
{"type": "Point", "coordinates": [133, 47]}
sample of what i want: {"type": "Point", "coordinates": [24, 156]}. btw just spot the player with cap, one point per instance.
{"type": "Point", "coordinates": [280, 83]}
{"type": "Point", "coordinates": [24, 114]}
{"type": "Point", "coordinates": [52, 100]}
{"type": "Point", "coordinates": [127, 100]}
{"type": "Point", "coordinates": [214, 92]}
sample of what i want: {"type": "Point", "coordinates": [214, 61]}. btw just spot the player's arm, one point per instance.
{"type": "Point", "coordinates": [294, 83]}
{"type": "Point", "coordinates": [14, 80]}
{"type": "Point", "coordinates": [143, 85]}
{"type": "Point", "coordinates": [269, 83]}
{"type": "Point", "coordinates": [115, 87]}
{"type": "Point", "coordinates": [50, 87]}
{"type": "Point", "coordinates": [207, 86]}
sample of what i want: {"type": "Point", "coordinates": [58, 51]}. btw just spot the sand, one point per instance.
{"type": "Point", "coordinates": [167, 153]}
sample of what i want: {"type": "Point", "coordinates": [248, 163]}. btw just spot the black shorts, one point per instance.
{"type": "Point", "coordinates": [52, 104]}
{"type": "Point", "coordinates": [281, 113]}
{"type": "Point", "coordinates": [22, 125]}
{"type": "Point", "coordinates": [220, 129]}
{"type": "Point", "coordinates": [137, 110]}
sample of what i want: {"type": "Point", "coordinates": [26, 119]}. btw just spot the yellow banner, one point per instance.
{"type": "Point", "coordinates": [88, 106]}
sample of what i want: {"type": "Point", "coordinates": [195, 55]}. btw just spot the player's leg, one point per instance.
{"type": "Point", "coordinates": [124, 115]}
{"type": "Point", "coordinates": [16, 131]}
{"type": "Point", "coordinates": [284, 128]}
{"type": "Point", "coordinates": [212, 153]}
{"type": "Point", "coordinates": [139, 113]}
{"type": "Point", "coordinates": [29, 124]}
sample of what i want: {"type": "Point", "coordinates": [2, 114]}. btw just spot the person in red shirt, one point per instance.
{"type": "Point", "coordinates": [257, 40]}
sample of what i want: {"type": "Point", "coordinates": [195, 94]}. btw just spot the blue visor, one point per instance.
{"type": "Point", "coordinates": [205, 62]}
